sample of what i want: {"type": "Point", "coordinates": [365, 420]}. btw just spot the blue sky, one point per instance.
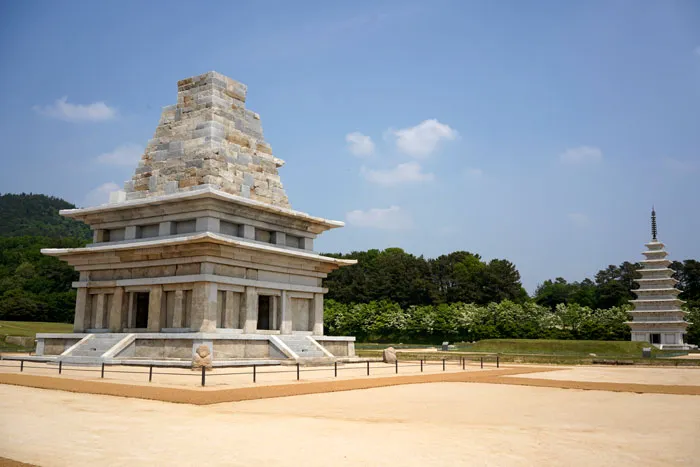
{"type": "Point", "coordinates": [540, 131]}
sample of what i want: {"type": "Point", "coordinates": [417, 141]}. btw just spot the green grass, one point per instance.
{"type": "Point", "coordinates": [549, 347]}
{"type": "Point", "coordinates": [29, 329]}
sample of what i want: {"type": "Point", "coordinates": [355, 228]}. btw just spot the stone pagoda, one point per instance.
{"type": "Point", "coordinates": [657, 317]}
{"type": "Point", "coordinates": [200, 248]}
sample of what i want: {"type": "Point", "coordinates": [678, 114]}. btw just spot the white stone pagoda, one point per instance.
{"type": "Point", "coordinates": [657, 317]}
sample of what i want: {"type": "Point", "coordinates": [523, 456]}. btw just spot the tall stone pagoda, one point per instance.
{"type": "Point", "coordinates": [200, 248]}
{"type": "Point", "coordinates": [657, 317]}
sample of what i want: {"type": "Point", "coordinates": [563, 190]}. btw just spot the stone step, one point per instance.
{"type": "Point", "coordinates": [302, 346]}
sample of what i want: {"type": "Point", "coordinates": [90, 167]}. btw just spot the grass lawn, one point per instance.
{"type": "Point", "coordinates": [29, 329]}
{"type": "Point", "coordinates": [565, 348]}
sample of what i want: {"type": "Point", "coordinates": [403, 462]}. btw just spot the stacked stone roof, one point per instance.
{"type": "Point", "coordinates": [209, 138]}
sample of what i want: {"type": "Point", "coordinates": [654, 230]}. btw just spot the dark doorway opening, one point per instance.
{"type": "Point", "coordinates": [263, 312]}
{"type": "Point", "coordinates": [141, 305]}
{"type": "Point", "coordinates": [655, 338]}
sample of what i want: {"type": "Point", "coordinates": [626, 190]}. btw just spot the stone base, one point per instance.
{"type": "Point", "coordinates": [95, 348]}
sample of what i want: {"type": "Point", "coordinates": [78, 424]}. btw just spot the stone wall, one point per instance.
{"type": "Point", "coordinates": [209, 137]}
{"type": "Point", "coordinates": [58, 346]}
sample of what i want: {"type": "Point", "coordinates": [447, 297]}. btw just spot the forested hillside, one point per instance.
{"type": "Point", "coordinates": [37, 215]}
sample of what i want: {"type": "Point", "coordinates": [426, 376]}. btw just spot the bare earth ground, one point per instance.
{"type": "Point", "coordinates": [660, 376]}
{"type": "Point", "coordinates": [421, 424]}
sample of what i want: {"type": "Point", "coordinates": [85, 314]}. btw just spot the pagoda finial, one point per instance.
{"type": "Point", "coordinates": [653, 223]}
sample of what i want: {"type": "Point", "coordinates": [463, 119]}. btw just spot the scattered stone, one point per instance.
{"type": "Point", "coordinates": [592, 355]}
{"type": "Point", "coordinates": [389, 355]}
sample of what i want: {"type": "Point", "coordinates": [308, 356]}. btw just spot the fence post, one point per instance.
{"type": "Point", "coordinates": [421, 365]}
{"type": "Point", "coordinates": [396, 364]}
{"type": "Point", "coordinates": [367, 367]}
{"type": "Point", "coordinates": [103, 370]}
{"type": "Point", "coordinates": [150, 373]}
{"type": "Point", "coordinates": [60, 367]}
{"type": "Point", "coordinates": [335, 368]}
{"type": "Point", "coordinates": [443, 364]}
{"type": "Point", "coordinates": [297, 371]}
{"type": "Point", "coordinates": [21, 365]}
{"type": "Point", "coordinates": [255, 367]}
{"type": "Point", "coordinates": [464, 363]}
{"type": "Point", "coordinates": [204, 377]}
{"type": "Point", "coordinates": [482, 362]}
{"type": "Point", "coordinates": [497, 362]}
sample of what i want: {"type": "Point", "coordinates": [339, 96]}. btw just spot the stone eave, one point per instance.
{"type": "Point", "coordinates": [205, 191]}
{"type": "Point", "coordinates": [195, 238]}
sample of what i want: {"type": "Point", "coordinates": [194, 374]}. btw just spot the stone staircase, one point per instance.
{"type": "Point", "coordinates": [90, 351]}
{"type": "Point", "coordinates": [302, 346]}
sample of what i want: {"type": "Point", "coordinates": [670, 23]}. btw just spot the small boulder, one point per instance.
{"type": "Point", "coordinates": [202, 358]}
{"type": "Point", "coordinates": [389, 355]}
{"type": "Point", "coordinates": [592, 355]}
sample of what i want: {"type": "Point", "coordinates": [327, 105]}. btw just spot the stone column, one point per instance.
{"type": "Point", "coordinates": [130, 320]}
{"type": "Point", "coordinates": [177, 309]}
{"type": "Point", "coordinates": [317, 314]}
{"type": "Point", "coordinates": [99, 311]}
{"type": "Point", "coordinates": [286, 314]}
{"type": "Point", "coordinates": [228, 311]}
{"type": "Point", "coordinates": [115, 310]}
{"type": "Point", "coordinates": [81, 303]}
{"type": "Point", "coordinates": [155, 299]}
{"type": "Point", "coordinates": [204, 296]}
{"type": "Point", "coordinates": [251, 310]}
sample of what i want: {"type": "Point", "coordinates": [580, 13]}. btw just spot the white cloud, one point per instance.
{"type": "Point", "coordinates": [402, 173]}
{"type": "Point", "coordinates": [423, 139]}
{"type": "Point", "coordinates": [581, 155]}
{"type": "Point", "coordinates": [100, 195]}
{"type": "Point", "coordinates": [678, 165]}
{"type": "Point", "coordinates": [63, 110]}
{"type": "Point", "coordinates": [473, 172]}
{"type": "Point", "coordinates": [578, 219]}
{"type": "Point", "coordinates": [392, 218]}
{"type": "Point", "coordinates": [360, 145]}
{"type": "Point", "coordinates": [126, 155]}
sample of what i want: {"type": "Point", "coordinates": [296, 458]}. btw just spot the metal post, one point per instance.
{"type": "Point", "coordinates": [60, 367]}
{"type": "Point", "coordinates": [367, 367]}
{"type": "Point", "coordinates": [396, 364]}
{"type": "Point", "coordinates": [103, 370]}
{"type": "Point", "coordinates": [150, 374]}
{"type": "Point", "coordinates": [21, 365]}
{"type": "Point", "coordinates": [497, 362]}
{"type": "Point", "coordinates": [482, 362]}
{"type": "Point", "coordinates": [421, 365]}
{"type": "Point", "coordinates": [297, 371]}
{"type": "Point", "coordinates": [464, 363]}
{"type": "Point", "coordinates": [335, 367]}
{"type": "Point", "coordinates": [254, 372]}
{"type": "Point", "coordinates": [443, 364]}
{"type": "Point", "coordinates": [204, 372]}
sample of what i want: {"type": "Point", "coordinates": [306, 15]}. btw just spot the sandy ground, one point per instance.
{"type": "Point", "coordinates": [423, 424]}
{"type": "Point", "coordinates": [662, 376]}
{"type": "Point", "coordinates": [235, 377]}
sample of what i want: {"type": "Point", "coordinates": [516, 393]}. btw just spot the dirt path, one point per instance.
{"type": "Point", "coordinates": [410, 425]}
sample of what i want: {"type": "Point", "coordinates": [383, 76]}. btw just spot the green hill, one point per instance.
{"type": "Point", "coordinates": [37, 215]}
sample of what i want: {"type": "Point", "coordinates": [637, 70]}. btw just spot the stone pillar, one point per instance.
{"type": "Point", "coordinates": [306, 243]}
{"type": "Point", "coordinates": [228, 311]}
{"type": "Point", "coordinates": [286, 314]}
{"type": "Point", "coordinates": [251, 310]}
{"type": "Point", "coordinates": [99, 311]}
{"type": "Point", "coordinates": [131, 232]}
{"type": "Point", "coordinates": [81, 303]}
{"type": "Point", "coordinates": [247, 231]}
{"type": "Point", "coordinates": [317, 314]}
{"type": "Point", "coordinates": [166, 228]}
{"type": "Point", "coordinates": [115, 310]}
{"type": "Point", "coordinates": [208, 224]}
{"type": "Point", "coordinates": [204, 297]}
{"type": "Point", "coordinates": [130, 319]}
{"type": "Point", "coordinates": [98, 235]}
{"type": "Point", "coordinates": [279, 238]}
{"type": "Point", "coordinates": [155, 299]}
{"type": "Point", "coordinates": [177, 309]}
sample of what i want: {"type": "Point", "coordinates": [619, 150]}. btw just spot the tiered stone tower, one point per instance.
{"type": "Point", "coordinates": [200, 248]}
{"type": "Point", "coordinates": [657, 317]}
